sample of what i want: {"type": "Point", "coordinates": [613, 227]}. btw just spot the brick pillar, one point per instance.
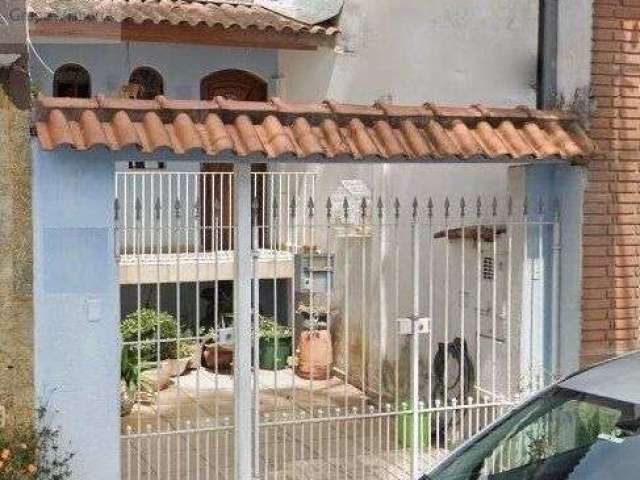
{"type": "Point", "coordinates": [612, 201]}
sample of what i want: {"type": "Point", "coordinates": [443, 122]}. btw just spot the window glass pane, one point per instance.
{"type": "Point", "coordinates": [561, 435]}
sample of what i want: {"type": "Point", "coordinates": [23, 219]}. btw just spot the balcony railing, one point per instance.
{"type": "Point", "coordinates": [192, 212]}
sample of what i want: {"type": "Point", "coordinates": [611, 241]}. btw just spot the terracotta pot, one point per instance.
{"type": "Point", "coordinates": [225, 357]}
{"type": "Point", "coordinates": [315, 355]}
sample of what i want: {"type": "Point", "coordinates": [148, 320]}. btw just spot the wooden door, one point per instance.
{"type": "Point", "coordinates": [218, 192]}
{"type": "Point", "coordinates": [217, 207]}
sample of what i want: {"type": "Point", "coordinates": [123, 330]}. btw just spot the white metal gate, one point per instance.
{"type": "Point", "coordinates": [385, 331]}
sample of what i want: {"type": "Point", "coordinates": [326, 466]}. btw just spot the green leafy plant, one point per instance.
{"type": "Point", "coordinates": [590, 424]}
{"type": "Point", "coordinates": [34, 451]}
{"type": "Point", "coordinates": [129, 368]}
{"type": "Point", "coordinates": [271, 329]}
{"type": "Point", "coordinates": [151, 325]}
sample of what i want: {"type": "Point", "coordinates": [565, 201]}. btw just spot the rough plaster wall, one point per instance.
{"type": "Point", "coordinates": [16, 261]}
{"type": "Point", "coordinates": [476, 51]}
{"type": "Point", "coordinates": [574, 48]}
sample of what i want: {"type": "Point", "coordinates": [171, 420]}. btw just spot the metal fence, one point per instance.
{"type": "Point", "coordinates": [184, 212]}
{"type": "Point", "coordinates": [403, 329]}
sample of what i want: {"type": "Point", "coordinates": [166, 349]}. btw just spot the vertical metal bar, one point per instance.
{"type": "Point", "coordinates": [430, 336]}
{"type": "Point", "coordinates": [478, 299]}
{"type": "Point", "coordinates": [447, 280]}
{"type": "Point", "coordinates": [312, 307]}
{"type": "Point", "coordinates": [463, 242]}
{"type": "Point", "coordinates": [330, 278]}
{"type": "Point", "coordinates": [509, 291]}
{"type": "Point", "coordinates": [291, 218]}
{"type": "Point", "coordinates": [396, 309]}
{"type": "Point", "coordinates": [196, 249]}
{"type": "Point", "coordinates": [494, 299]}
{"type": "Point", "coordinates": [364, 333]}
{"type": "Point", "coordinates": [346, 348]}
{"type": "Point", "coordinates": [415, 344]}
{"type": "Point", "coordinates": [540, 276]}
{"type": "Point", "coordinates": [243, 461]}
{"type": "Point", "coordinates": [158, 233]}
{"type": "Point", "coordinates": [555, 298]}
{"type": "Point", "coordinates": [255, 334]}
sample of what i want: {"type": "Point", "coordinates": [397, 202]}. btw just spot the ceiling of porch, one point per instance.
{"type": "Point", "coordinates": [282, 131]}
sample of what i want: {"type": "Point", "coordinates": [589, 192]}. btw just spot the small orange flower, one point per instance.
{"type": "Point", "coordinates": [5, 455]}
{"type": "Point", "coordinates": [31, 469]}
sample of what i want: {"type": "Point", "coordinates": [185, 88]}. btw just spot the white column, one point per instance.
{"type": "Point", "coordinates": [242, 322]}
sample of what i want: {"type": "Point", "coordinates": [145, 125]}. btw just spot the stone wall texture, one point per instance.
{"type": "Point", "coordinates": [612, 203]}
{"type": "Point", "coordinates": [16, 265]}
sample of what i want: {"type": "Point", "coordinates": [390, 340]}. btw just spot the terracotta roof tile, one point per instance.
{"type": "Point", "coordinates": [174, 12]}
{"type": "Point", "coordinates": [279, 130]}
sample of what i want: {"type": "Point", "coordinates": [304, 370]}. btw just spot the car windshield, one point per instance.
{"type": "Point", "coordinates": [561, 435]}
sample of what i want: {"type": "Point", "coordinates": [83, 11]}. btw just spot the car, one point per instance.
{"type": "Point", "coordinates": [584, 427]}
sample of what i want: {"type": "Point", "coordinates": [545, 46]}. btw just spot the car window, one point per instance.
{"type": "Point", "coordinates": [554, 437]}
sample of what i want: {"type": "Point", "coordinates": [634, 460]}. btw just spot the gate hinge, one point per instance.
{"type": "Point", "coordinates": [411, 325]}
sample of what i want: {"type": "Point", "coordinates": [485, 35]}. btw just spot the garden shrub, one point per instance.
{"type": "Point", "coordinates": [149, 322]}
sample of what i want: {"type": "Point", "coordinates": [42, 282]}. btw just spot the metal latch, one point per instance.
{"type": "Point", "coordinates": [409, 325]}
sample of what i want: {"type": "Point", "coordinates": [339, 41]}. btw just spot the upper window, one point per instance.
{"type": "Point", "coordinates": [233, 84]}
{"type": "Point", "coordinates": [145, 83]}
{"type": "Point", "coordinates": [71, 80]}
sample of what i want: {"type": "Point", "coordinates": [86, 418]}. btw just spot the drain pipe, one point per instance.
{"type": "Point", "coordinates": [547, 80]}
{"type": "Point", "coordinates": [547, 98]}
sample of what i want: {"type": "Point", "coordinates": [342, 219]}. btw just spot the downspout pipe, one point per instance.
{"type": "Point", "coordinates": [547, 81]}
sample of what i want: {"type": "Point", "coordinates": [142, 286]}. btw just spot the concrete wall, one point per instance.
{"type": "Point", "coordinates": [471, 52]}
{"type": "Point", "coordinates": [77, 347]}
{"type": "Point", "coordinates": [574, 52]}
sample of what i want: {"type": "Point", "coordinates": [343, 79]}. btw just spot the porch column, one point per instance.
{"type": "Point", "coordinates": [242, 322]}
{"type": "Point", "coordinates": [557, 295]}
{"type": "Point", "coordinates": [77, 346]}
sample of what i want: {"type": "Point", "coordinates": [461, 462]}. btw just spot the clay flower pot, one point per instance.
{"type": "Point", "coordinates": [224, 357]}
{"type": "Point", "coordinates": [315, 355]}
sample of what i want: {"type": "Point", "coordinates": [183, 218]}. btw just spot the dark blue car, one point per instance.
{"type": "Point", "coordinates": [583, 428]}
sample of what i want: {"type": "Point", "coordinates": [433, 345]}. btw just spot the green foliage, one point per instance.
{"type": "Point", "coordinates": [146, 324]}
{"type": "Point", "coordinates": [29, 452]}
{"type": "Point", "coordinates": [129, 368]}
{"type": "Point", "coordinates": [590, 424]}
{"type": "Point", "coordinates": [271, 329]}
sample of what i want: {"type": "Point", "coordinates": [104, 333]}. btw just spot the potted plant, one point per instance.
{"type": "Point", "coordinates": [129, 379]}
{"type": "Point", "coordinates": [275, 345]}
{"type": "Point", "coordinates": [315, 350]}
{"type": "Point", "coordinates": [148, 324]}
{"type": "Point", "coordinates": [217, 350]}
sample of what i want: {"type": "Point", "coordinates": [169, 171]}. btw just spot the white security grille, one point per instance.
{"type": "Point", "coordinates": [384, 333]}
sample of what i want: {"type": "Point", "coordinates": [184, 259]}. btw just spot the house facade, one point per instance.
{"type": "Point", "coordinates": [142, 115]}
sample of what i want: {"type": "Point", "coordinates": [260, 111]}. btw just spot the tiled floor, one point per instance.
{"type": "Point", "coordinates": [192, 445]}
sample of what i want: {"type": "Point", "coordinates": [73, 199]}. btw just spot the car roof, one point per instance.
{"type": "Point", "coordinates": [618, 379]}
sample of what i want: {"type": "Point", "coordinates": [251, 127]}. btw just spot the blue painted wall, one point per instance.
{"type": "Point", "coordinates": [181, 66]}
{"type": "Point", "coordinates": [564, 184]}
{"type": "Point", "coordinates": [77, 304]}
